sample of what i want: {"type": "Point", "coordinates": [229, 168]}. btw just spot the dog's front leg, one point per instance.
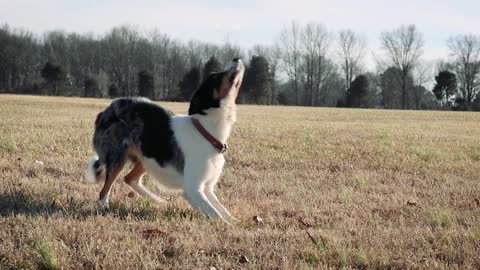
{"type": "Point", "coordinates": [209, 191]}
{"type": "Point", "coordinates": [196, 174]}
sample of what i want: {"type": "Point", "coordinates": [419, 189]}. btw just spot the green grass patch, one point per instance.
{"type": "Point", "coordinates": [311, 259]}
{"type": "Point", "coordinates": [47, 258]}
{"type": "Point", "coordinates": [429, 154]}
{"type": "Point", "coordinates": [7, 144]}
{"type": "Point", "coordinates": [345, 194]}
{"type": "Point", "coordinates": [474, 153]}
{"type": "Point", "coordinates": [360, 181]}
{"type": "Point", "coordinates": [440, 219]}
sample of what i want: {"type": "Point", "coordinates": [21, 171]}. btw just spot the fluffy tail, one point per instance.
{"type": "Point", "coordinates": [95, 171]}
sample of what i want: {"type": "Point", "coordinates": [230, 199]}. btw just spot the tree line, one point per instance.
{"type": "Point", "coordinates": [307, 65]}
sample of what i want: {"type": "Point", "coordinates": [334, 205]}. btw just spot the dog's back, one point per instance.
{"type": "Point", "coordinates": [135, 123]}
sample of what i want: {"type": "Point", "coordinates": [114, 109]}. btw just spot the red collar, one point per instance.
{"type": "Point", "coordinates": [221, 147]}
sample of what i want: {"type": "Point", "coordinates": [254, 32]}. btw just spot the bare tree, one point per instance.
{"type": "Point", "coordinates": [465, 50]}
{"type": "Point", "coordinates": [403, 47]}
{"type": "Point", "coordinates": [273, 57]}
{"type": "Point", "coordinates": [289, 43]}
{"type": "Point", "coordinates": [19, 55]}
{"type": "Point", "coordinates": [176, 67]}
{"type": "Point", "coordinates": [314, 43]}
{"type": "Point", "coordinates": [160, 46]}
{"type": "Point", "coordinates": [352, 49]}
{"type": "Point", "coordinates": [121, 47]}
{"type": "Point", "coordinates": [228, 51]}
{"type": "Point", "coordinates": [422, 75]}
{"type": "Point", "coordinates": [194, 55]}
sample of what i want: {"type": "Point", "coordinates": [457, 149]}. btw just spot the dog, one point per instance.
{"type": "Point", "coordinates": [181, 152]}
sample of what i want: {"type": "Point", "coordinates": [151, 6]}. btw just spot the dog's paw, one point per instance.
{"type": "Point", "coordinates": [235, 220]}
{"type": "Point", "coordinates": [103, 204]}
{"type": "Point", "coordinates": [232, 220]}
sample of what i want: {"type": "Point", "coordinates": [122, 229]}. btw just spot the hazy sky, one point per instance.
{"type": "Point", "coordinates": [248, 22]}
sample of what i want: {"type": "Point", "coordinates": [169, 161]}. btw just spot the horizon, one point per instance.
{"type": "Point", "coordinates": [246, 24]}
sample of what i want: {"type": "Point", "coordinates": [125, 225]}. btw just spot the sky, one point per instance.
{"type": "Point", "coordinates": [248, 22]}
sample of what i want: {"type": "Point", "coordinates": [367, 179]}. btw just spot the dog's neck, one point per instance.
{"type": "Point", "coordinates": [219, 121]}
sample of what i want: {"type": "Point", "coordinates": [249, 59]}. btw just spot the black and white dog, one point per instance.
{"type": "Point", "coordinates": [182, 152]}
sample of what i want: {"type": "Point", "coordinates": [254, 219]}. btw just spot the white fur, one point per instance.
{"type": "Point", "coordinates": [203, 162]}
{"type": "Point", "coordinates": [104, 201]}
{"type": "Point", "coordinates": [143, 191]}
{"type": "Point", "coordinates": [90, 174]}
{"type": "Point", "coordinates": [167, 177]}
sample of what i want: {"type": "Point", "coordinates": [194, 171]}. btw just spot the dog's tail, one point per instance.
{"type": "Point", "coordinates": [95, 171]}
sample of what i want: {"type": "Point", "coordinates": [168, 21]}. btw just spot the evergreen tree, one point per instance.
{"type": "Point", "coordinates": [113, 91]}
{"type": "Point", "coordinates": [357, 92]}
{"type": "Point", "coordinates": [392, 89]}
{"type": "Point", "coordinates": [55, 76]}
{"type": "Point", "coordinates": [257, 82]}
{"type": "Point", "coordinates": [212, 65]}
{"type": "Point", "coordinates": [91, 87]}
{"type": "Point", "coordinates": [445, 87]}
{"type": "Point", "coordinates": [282, 98]}
{"type": "Point", "coordinates": [146, 84]}
{"type": "Point", "coordinates": [189, 83]}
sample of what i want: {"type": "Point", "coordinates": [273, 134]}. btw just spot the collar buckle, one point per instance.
{"type": "Point", "coordinates": [221, 147]}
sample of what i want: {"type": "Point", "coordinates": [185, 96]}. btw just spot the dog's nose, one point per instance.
{"type": "Point", "coordinates": [237, 59]}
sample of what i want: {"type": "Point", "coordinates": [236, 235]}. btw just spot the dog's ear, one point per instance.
{"type": "Point", "coordinates": [206, 96]}
{"type": "Point", "coordinates": [195, 106]}
{"type": "Point", "coordinates": [216, 87]}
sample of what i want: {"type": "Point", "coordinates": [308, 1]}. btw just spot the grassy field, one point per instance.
{"type": "Point", "coordinates": [335, 188]}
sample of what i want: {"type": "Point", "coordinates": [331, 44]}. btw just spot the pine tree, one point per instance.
{"type": "Point", "coordinates": [212, 65]}
{"type": "Point", "coordinates": [113, 91]}
{"type": "Point", "coordinates": [91, 87]}
{"type": "Point", "coordinates": [445, 87]}
{"type": "Point", "coordinates": [146, 84]}
{"type": "Point", "coordinates": [257, 80]}
{"type": "Point", "coordinates": [55, 76]}
{"type": "Point", "coordinates": [392, 89]}
{"type": "Point", "coordinates": [189, 83]}
{"type": "Point", "coordinates": [357, 91]}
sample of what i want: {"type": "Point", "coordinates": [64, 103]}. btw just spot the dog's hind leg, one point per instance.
{"type": "Point", "coordinates": [134, 180]}
{"type": "Point", "coordinates": [112, 174]}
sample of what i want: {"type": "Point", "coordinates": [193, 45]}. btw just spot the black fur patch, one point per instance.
{"type": "Point", "coordinates": [142, 123]}
{"type": "Point", "coordinates": [203, 98]}
{"type": "Point", "coordinates": [156, 139]}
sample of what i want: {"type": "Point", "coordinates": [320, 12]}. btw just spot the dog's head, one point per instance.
{"type": "Point", "coordinates": [218, 89]}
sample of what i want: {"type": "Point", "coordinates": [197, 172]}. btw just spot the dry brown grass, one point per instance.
{"type": "Point", "coordinates": [336, 188]}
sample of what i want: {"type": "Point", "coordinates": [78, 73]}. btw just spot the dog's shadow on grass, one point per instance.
{"type": "Point", "coordinates": [20, 203]}
{"type": "Point", "coordinates": [44, 205]}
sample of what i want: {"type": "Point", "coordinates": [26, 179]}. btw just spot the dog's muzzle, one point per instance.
{"type": "Point", "coordinates": [236, 65]}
